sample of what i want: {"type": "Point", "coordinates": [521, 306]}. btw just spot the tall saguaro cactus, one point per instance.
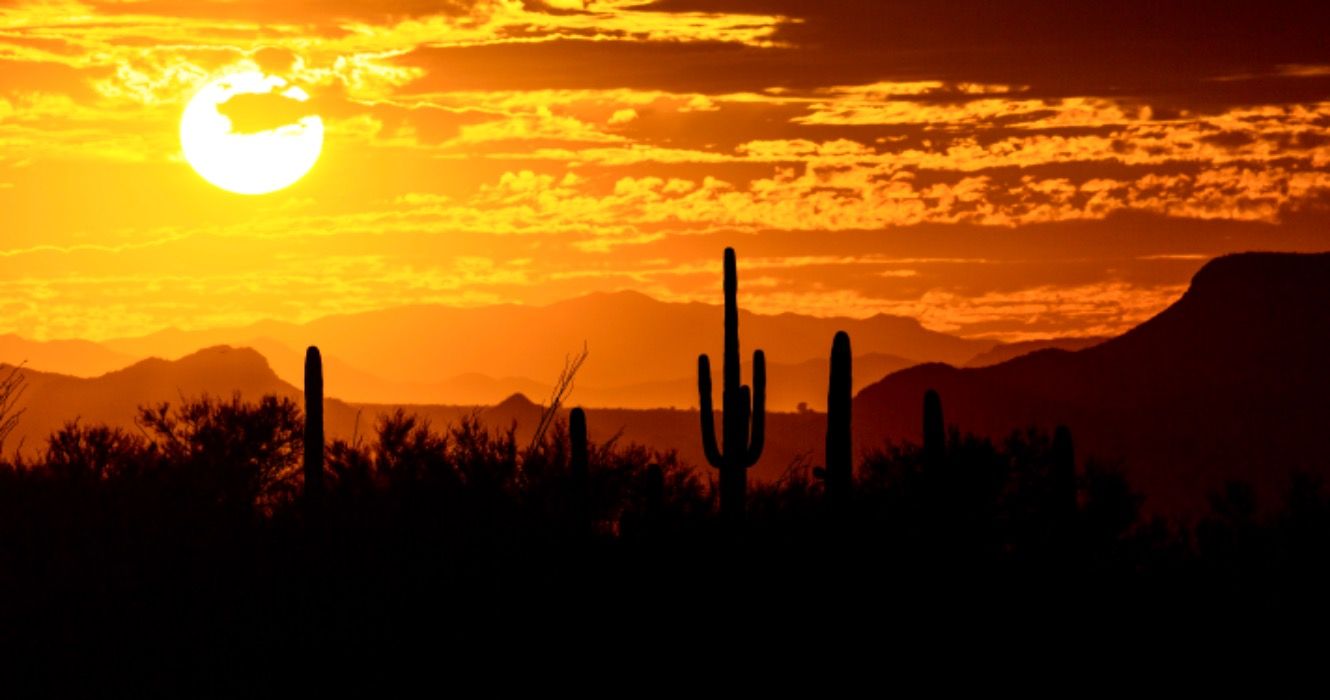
{"type": "Point", "coordinates": [577, 446]}
{"type": "Point", "coordinates": [743, 409]}
{"type": "Point", "coordinates": [840, 468]}
{"type": "Point", "coordinates": [935, 430]}
{"type": "Point", "coordinates": [579, 500]}
{"type": "Point", "coordinates": [313, 422]}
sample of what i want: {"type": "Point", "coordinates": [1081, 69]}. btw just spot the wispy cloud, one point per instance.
{"type": "Point", "coordinates": [487, 150]}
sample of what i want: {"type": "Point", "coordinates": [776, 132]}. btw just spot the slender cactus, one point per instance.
{"type": "Point", "coordinates": [839, 464]}
{"type": "Point", "coordinates": [313, 467]}
{"type": "Point", "coordinates": [577, 447]}
{"type": "Point", "coordinates": [935, 431]}
{"type": "Point", "coordinates": [578, 488]}
{"type": "Point", "coordinates": [743, 409]}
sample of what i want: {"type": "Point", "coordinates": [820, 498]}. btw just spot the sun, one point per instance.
{"type": "Point", "coordinates": [251, 133]}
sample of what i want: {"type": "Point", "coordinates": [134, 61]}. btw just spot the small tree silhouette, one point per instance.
{"type": "Point", "coordinates": [85, 454]}
{"type": "Point", "coordinates": [12, 386]}
{"type": "Point", "coordinates": [244, 455]}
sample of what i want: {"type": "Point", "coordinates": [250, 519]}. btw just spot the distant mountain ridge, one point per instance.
{"type": "Point", "coordinates": [1230, 382]}
{"type": "Point", "coordinates": [1227, 383]}
{"type": "Point", "coordinates": [1009, 351]}
{"type": "Point", "coordinates": [79, 358]}
{"type": "Point", "coordinates": [642, 351]}
{"type": "Point", "coordinates": [442, 354]}
{"type": "Point", "coordinates": [52, 400]}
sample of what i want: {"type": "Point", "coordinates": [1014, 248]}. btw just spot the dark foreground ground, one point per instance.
{"type": "Point", "coordinates": [185, 559]}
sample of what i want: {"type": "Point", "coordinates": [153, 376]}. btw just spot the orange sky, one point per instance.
{"type": "Point", "coordinates": [1005, 172]}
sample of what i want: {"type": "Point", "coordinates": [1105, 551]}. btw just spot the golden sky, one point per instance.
{"type": "Point", "coordinates": [1008, 172]}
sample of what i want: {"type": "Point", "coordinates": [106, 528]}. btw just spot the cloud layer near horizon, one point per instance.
{"type": "Point", "coordinates": [1009, 173]}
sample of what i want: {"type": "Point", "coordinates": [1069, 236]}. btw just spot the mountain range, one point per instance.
{"type": "Point", "coordinates": [642, 353]}
{"type": "Point", "coordinates": [1227, 383]}
{"type": "Point", "coordinates": [52, 400]}
{"type": "Point", "coordinates": [76, 358]}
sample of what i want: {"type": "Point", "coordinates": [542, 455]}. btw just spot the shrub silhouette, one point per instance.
{"type": "Point", "coordinates": [77, 453]}
{"type": "Point", "coordinates": [935, 429]}
{"type": "Point", "coordinates": [244, 456]}
{"type": "Point", "coordinates": [190, 536]}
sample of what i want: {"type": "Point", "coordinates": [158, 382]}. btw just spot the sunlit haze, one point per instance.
{"type": "Point", "coordinates": [347, 340]}
{"type": "Point", "coordinates": [925, 164]}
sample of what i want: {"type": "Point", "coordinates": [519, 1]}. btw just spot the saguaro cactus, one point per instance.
{"type": "Point", "coordinates": [743, 409]}
{"type": "Point", "coordinates": [577, 462]}
{"type": "Point", "coordinates": [839, 466]}
{"type": "Point", "coordinates": [935, 430]}
{"type": "Point", "coordinates": [313, 422]}
{"type": "Point", "coordinates": [579, 477]}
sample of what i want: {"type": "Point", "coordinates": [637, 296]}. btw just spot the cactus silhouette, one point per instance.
{"type": "Point", "coordinates": [577, 462]}
{"type": "Point", "coordinates": [839, 472]}
{"type": "Point", "coordinates": [313, 466]}
{"type": "Point", "coordinates": [579, 484]}
{"type": "Point", "coordinates": [935, 431]}
{"type": "Point", "coordinates": [743, 409]}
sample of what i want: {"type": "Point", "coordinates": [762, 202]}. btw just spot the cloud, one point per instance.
{"type": "Point", "coordinates": [622, 116]}
{"type": "Point", "coordinates": [485, 150]}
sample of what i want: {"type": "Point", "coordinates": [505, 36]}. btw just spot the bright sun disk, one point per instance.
{"type": "Point", "coordinates": [248, 163]}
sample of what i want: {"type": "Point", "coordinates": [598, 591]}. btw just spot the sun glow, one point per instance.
{"type": "Point", "coordinates": [280, 145]}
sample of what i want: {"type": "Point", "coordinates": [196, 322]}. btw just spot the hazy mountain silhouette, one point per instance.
{"type": "Point", "coordinates": [1010, 351]}
{"type": "Point", "coordinates": [1227, 383]}
{"type": "Point", "coordinates": [788, 386]}
{"type": "Point", "coordinates": [51, 400]}
{"type": "Point", "coordinates": [112, 399]}
{"type": "Point", "coordinates": [351, 383]}
{"type": "Point", "coordinates": [78, 358]}
{"type": "Point", "coordinates": [633, 340]}
{"type": "Point", "coordinates": [804, 382]}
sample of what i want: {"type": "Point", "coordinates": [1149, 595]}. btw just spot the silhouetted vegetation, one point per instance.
{"type": "Point", "coordinates": [223, 534]}
{"type": "Point", "coordinates": [186, 542]}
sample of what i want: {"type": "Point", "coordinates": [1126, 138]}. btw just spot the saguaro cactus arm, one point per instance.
{"type": "Point", "coordinates": [757, 438]}
{"type": "Point", "coordinates": [709, 446]}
